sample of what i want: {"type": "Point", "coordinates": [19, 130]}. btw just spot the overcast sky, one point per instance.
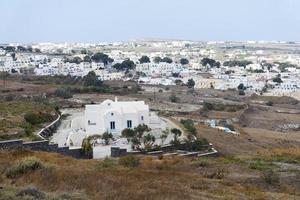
{"type": "Point", "coordinates": [121, 20]}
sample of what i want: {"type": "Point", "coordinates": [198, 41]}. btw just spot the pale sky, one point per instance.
{"type": "Point", "coordinates": [28, 21]}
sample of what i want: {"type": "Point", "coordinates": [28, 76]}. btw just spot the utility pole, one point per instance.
{"type": "Point", "coordinates": [154, 97]}
{"type": "Point", "coordinates": [4, 76]}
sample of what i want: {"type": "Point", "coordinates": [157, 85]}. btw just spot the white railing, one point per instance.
{"type": "Point", "coordinates": [42, 130]}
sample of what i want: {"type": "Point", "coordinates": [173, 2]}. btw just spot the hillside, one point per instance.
{"type": "Point", "coordinates": [20, 119]}
{"type": "Point", "coordinates": [268, 175]}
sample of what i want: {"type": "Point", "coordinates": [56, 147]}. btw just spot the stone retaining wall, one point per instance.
{"type": "Point", "coordinates": [166, 149]}
{"type": "Point", "coordinates": [43, 146]}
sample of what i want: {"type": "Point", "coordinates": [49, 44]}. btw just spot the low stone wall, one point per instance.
{"type": "Point", "coordinates": [166, 149]}
{"type": "Point", "coordinates": [11, 144]}
{"type": "Point", "coordinates": [43, 146]}
{"type": "Point", "coordinates": [118, 152]}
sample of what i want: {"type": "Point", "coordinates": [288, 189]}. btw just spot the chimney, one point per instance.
{"type": "Point", "coordinates": [116, 99]}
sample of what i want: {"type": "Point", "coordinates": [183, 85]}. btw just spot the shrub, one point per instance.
{"type": "Point", "coordinates": [177, 133]}
{"type": "Point", "coordinates": [129, 161]}
{"type": "Point", "coordinates": [63, 93]}
{"type": "Point", "coordinates": [241, 92]}
{"type": "Point", "coordinates": [107, 137]}
{"type": "Point", "coordinates": [174, 99]}
{"type": "Point", "coordinates": [218, 174]}
{"type": "Point", "coordinates": [87, 147]}
{"type": "Point", "coordinates": [277, 80]}
{"type": "Point", "coordinates": [196, 145]}
{"type": "Point", "coordinates": [261, 165]}
{"type": "Point", "coordinates": [269, 103]}
{"type": "Point", "coordinates": [207, 106]}
{"type": "Point", "coordinates": [28, 128]}
{"type": "Point", "coordinates": [31, 192]}
{"type": "Point", "coordinates": [37, 118]}
{"type": "Point", "coordinates": [26, 165]}
{"type": "Point", "coordinates": [32, 118]}
{"type": "Point", "coordinates": [191, 83]}
{"type": "Point", "coordinates": [189, 126]}
{"type": "Point", "coordinates": [270, 177]}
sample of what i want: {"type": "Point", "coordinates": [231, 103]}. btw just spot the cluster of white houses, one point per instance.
{"type": "Point", "coordinates": [254, 76]}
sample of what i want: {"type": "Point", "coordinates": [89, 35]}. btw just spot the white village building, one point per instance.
{"type": "Point", "coordinates": [159, 69]}
{"type": "Point", "coordinates": [115, 116]}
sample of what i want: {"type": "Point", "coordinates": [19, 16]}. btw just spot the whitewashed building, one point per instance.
{"type": "Point", "coordinates": [159, 69]}
{"type": "Point", "coordinates": [115, 116]}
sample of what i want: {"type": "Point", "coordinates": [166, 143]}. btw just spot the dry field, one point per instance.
{"type": "Point", "coordinates": [265, 176]}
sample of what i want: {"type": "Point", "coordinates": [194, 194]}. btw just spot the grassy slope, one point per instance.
{"type": "Point", "coordinates": [169, 178]}
{"type": "Point", "coordinates": [12, 116]}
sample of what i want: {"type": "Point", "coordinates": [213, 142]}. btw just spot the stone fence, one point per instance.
{"type": "Point", "coordinates": [43, 146]}
{"type": "Point", "coordinates": [166, 150]}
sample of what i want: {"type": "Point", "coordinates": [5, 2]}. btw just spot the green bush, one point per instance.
{"type": "Point", "coordinates": [28, 128]}
{"type": "Point", "coordinates": [87, 147]}
{"type": "Point", "coordinates": [24, 166]}
{"type": "Point", "coordinates": [63, 93]}
{"type": "Point", "coordinates": [37, 118]}
{"type": "Point", "coordinates": [196, 145]}
{"type": "Point", "coordinates": [189, 126]}
{"type": "Point", "coordinates": [269, 103]}
{"type": "Point", "coordinates": [32, 118]}
{"type": "Point", "coordinates": [129, 161]}
{"type": "Point", "coordinates": [207, 106]}
{"type": "Point", "coordinates": [261, 165]}
{"type": "Point", "coordinates": [221, 107]}
{"type": "Point", "coordinates": [174, 99]}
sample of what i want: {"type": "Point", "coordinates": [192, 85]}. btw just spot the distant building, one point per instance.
{"type": "Point", "coordinates": [159, 69]}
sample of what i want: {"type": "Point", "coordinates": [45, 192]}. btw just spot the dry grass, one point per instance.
{"type": "Point", "coordinates": [166, 178]}
{"type": "Point", "coordinates": [291, 151]}
{"type": "Point", "coordinates": [12, 122]}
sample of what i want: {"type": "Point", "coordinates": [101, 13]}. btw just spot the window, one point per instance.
{"type": "Point", "coordinates": [112, 114]}
{"type": "Point", "coordinates": [91, 123]}
{"type": "Point", "coordinates": [129, 124]}
{"type": "Point", "coordinates": [142, 118]}
{"type": "Point", "coordinates": [112, 125]}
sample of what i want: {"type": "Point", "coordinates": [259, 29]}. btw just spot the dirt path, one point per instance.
{"type": "Point", "coordinates": [249, 142]}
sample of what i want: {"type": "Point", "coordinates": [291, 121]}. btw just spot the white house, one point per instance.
{"type": "Point", "coordinates": [159, 69]}
{"type": "Point", "coordinates": [115, 116]}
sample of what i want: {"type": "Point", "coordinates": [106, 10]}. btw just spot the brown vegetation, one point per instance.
{"type": "Point", "coordinates": [151, 178]}
{"type": "Point", "coordinates": [19, 119]}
